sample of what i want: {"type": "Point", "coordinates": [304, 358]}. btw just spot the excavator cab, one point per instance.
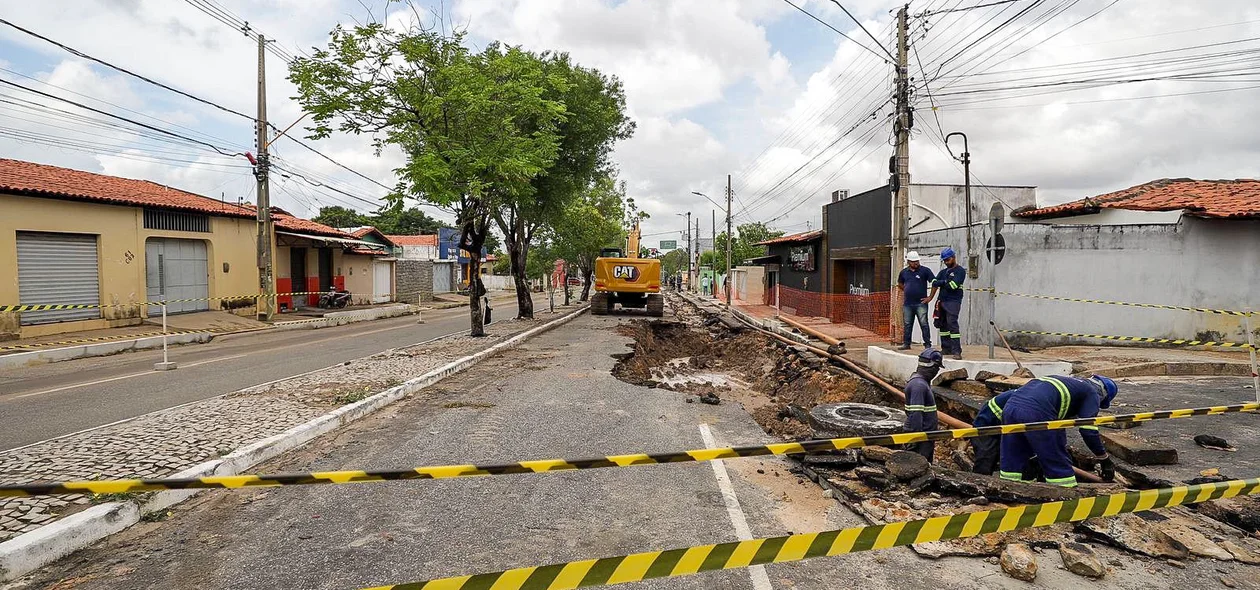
{"type": "Point", "coordinates": [627, 280]}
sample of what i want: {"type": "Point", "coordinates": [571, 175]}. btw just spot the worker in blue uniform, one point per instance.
{"type": "Point", "coordinates": [921, 403]}
{"type": "Point", "coordinates": [987, 447]}
{"type": "Point", "coordinates": [950, 284]}
{"type": "Point", "coordinates": [1055, 398]}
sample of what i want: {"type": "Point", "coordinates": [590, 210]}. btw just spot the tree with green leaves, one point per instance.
{"type": "Point", "coordinates": [476, 127]}
{"type": "Point", "coordinates": [590, 224]}
{"type": "Point", "coordinates": [593, 121]}
{"type": "Point", "coordinates": [674, 262]}
{"type": "Point", "coordinates": [404, 221]}
{"type": "Point", "coordinates": [745, 244]}
{"type": "Point", "coordinates": [338, 216]}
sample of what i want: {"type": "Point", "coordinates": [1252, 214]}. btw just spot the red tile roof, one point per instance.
{"type": "Point", "coordinates": [1221, 199]}
{"type": "Point", "coordinates": [284, 220]}
{"type": "Point", "coordinates": [368, 251]}
{"type": "Point", "coordinates": [29, 178]}
{"type": "Point", "coordinates": [424, 240]}
{"type": "Point", "coordinates": [808, 236]}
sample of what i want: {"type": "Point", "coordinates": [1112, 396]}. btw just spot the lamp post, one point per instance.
{"type": "Point", "coordinates": [972, 258]}
{"type": "Point", "coordinates": [728, 237]}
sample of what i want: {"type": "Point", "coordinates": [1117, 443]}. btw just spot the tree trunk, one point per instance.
{"type": "Point", "coordinates": [587, 276]}
{"type": "Point", "coordinates": [476, 289]}
{"type": "Point", "coordinates": [516, 239]}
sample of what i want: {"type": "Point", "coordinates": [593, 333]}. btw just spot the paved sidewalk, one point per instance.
{"type": "Point", "coordinates": [165, 442]}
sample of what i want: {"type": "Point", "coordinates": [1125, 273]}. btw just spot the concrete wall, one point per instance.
{"type": "Point", "coordinates": [415, 280]}
{"type": "Point", "coordinates": [120, 249]}
{"type": "Point", "coordinates": [360, 280]}
{"type": "Point", "coordinates": [497, 282]}
{"type": "Point", "coordinates": [938, 206]}
{"type": "Point", "coordinates": [750, 284]}
{"type": "Point", "coordinates": [420, 252]}
{"type": "Point", "coordinates": [1197, 262]}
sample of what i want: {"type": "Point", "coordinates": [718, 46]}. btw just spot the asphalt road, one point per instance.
{"type": "Point", "coordinates": [46, 401]}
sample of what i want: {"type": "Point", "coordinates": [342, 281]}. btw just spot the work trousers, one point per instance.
{"type": "Point", "coordinates": [987, 453]}
{"type": "Point", "coordinates": [1049, 446]}
{"type": "Point", "coordinates": [951, 336]}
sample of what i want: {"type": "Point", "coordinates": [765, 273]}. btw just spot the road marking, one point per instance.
{"type": "Point", "coordinates": [222, 358]}
{"type": "Point", "coordinates": [760, 580]}
{"type": "Point", "coordinates": [65, 387]}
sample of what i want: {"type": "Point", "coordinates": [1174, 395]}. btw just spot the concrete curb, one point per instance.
{"type": "Point", "coordinates": [52, 355]}
{"type": "Point", "coordinates": [892, 364]}
{"type": "Point", "coordinates": [30, 551]}
{"type": "Point", "coordinates": [341, 318]}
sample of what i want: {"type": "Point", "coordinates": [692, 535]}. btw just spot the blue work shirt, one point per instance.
{"type": "Point", "coordinates": [915, 283]}
{"type": "Point", "coordinates": [990, 413]}
{"type": "Point", "coordinates": [920, 405]}
{"type": "Point", "coordinates": [950, 282]}
{"type": "Point", "coordinates": [1063, 398]}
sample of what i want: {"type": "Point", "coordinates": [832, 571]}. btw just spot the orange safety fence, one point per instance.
{"type": "Point", "coordinates": [869, 312]}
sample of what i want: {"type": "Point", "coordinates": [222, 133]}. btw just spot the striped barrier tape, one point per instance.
{"type": "Point", "coordinates": [686, 561]}
{"type": "Point", "coordinates": [62, 306]}
{"type": "Point", "coordinates": [1175, 341]}
{"type": "Point", "coordinates": [35, 345]}
{"type": "Point", "coordinates": [545, 465]}
{"type": "Point", "coordinates": [1124, 303]}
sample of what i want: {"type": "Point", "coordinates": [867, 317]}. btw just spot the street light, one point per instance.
{"type": "Point", "coordinates": [729, 238]}
{"type": "Point", "coordinates": [972, 258]}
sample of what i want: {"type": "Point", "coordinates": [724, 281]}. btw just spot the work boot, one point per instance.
{"type": "Point", "coordinates": [904, 347]}
{"type": "Point", "coordinates": [957, 357]}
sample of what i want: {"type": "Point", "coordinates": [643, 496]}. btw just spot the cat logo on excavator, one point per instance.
{"type": "Point", "coordinates": [627, 272]}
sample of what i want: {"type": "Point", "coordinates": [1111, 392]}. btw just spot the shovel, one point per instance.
{"type": "Point", "coordinates": [1020, 371]}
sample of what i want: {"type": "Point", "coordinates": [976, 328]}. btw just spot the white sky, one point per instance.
{"type": "Point", "coordinates": [752, 88]}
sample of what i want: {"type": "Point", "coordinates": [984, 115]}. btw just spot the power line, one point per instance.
{"type": "Point", "coordinates": [965, 8]}
{"type": "Point", "coordinates": [80, 54]}
{"type": "Point", "coordinates": [863, 27]}
{"type": "Point", "coordinates": [838, 31]}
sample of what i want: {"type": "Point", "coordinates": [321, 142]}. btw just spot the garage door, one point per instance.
{"type": "Point", "coordinates": [58, 268]}
{"type": "Point", "coordinates": [441, 277]}
{"type": "Point", "coordinates": [175, 270]}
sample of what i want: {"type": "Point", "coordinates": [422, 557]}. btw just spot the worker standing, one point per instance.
{"type": "Point", "coordinates": [1055, 398]}
{"type": "Point", "coordinates": [987, 447]}
{"type": "Point", "coordinates": [914, 280]}
{"type": "Point", "coordinates": [949, 282]}
{"type": "Point", "coordinates": [921, 402]}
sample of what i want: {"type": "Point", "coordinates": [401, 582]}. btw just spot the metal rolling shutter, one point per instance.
{"type": "Point", "coordinates": [58, 268]}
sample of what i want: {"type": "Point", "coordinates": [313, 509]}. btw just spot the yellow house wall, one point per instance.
{"type": "Point", "coordinates": [120, 251]}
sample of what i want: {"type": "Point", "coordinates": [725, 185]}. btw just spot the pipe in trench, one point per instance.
{"type": "Point", "coordinates": [941, 417]}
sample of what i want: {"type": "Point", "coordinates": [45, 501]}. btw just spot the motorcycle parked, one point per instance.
{"type": "Point", "coordinates": [334, 299]}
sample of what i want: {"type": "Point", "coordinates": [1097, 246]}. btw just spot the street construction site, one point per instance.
{"type": "Point", "coordinates": [588, 449]}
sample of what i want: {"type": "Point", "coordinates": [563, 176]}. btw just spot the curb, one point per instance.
{"type": "Point", "coordinates": [52, 355]}
{"type": "Point", "coordinates": [30, 551]}
{"type": "Point", "coordinates": [341, 318]}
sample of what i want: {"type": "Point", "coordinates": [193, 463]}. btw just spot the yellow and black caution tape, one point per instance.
{"type": "Point", "coordinates": [62, 306]}
{"type": "Point", "coordinates": [686, 561]}
{"type": "Point", "coordinates": [1124, 303]}
{"type": "Point", "coordinates": [546, 465]}
{"type": "Point", "coordinates": [1173, 341]}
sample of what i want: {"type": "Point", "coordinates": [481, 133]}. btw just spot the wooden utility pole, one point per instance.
{"type": "Point", "coordinates": [729, 239]}
{"type": "Point", "coordinates": [901, 196]}
{"type": "Point", "coordinates": [266, 278]}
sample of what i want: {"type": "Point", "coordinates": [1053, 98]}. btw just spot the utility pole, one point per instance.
{"type": "Point", "coordinates": [713, 243]}
{"type": "Point", "coordinates": [729, 239]}
{"type": "Point", "coordinates": [901, 198]}
{"type": "Point", "coordinates": [266, 282]}
{"type": "Point", "coordinates": [697, 249]}
{"type": "Point", "coordinates": [691, 285]}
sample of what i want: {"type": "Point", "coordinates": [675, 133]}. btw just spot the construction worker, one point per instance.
{"type": "Point", "coordinates": [949, 282]}
{"type": "Point", "coordinates": [1055, 398]}
{"type": "Point", "coordinates": [914, 280]}
{"type": "Point", "coordinates": [986, 447]}
{"type": "Point", "coordinates": [921, 402]}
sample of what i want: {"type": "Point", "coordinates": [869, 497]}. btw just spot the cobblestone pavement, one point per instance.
{"type": "Point", "coordinates": [165, 442]}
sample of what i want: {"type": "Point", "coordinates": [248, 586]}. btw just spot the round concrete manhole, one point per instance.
{"type": "Point", "coordinates": [854, 419]}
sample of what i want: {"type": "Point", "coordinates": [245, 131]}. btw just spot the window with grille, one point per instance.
{"type": "Point", "coordinates": [175, 220]}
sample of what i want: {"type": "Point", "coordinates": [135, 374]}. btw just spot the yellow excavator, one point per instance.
{"type": "Point", "coordinates": [624, 278]}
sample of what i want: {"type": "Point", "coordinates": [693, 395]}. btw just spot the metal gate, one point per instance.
{"type": "Point", "coordinates": [382, 277]}
{"type": "Point", "coordinates": [442, 277]}
{"type": "Point", "coordinates": [177, 270]}
{"type": "Point", "coordinates": [58, 268]}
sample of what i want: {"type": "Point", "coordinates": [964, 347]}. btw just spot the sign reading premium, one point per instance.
{"type": "Point", "coordinates": [802, 258]}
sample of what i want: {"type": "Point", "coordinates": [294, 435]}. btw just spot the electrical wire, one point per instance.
{"type": "Point", "coordinates": [837, 31]}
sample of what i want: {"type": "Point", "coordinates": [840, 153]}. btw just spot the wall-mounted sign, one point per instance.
{"type": "Point", "coordinates": [802, 258]}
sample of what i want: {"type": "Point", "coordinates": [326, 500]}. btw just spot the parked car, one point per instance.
{"type": "Point", "coordinates": [575, 281]}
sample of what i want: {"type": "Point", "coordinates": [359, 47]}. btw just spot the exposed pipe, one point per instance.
{"type": "Point", "coordinates": [809, 330]}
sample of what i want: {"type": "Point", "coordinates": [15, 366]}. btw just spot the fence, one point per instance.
{"type": "Point", "coordinates": [869, 312]}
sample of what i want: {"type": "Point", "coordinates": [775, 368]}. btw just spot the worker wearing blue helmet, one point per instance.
{"type": "Point", "coordinates": [921, 402]}
{"type": "Point", "coordinates": [949, 282]}
{"type": "Point", "coordinates": [1055, 398]}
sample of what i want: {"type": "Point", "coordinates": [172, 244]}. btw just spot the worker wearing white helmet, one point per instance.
{"type": "Point", "coordinates": [914, 281]}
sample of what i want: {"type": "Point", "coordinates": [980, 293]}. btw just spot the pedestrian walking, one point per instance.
{"type": "Point", "coordinates": [914, 280]}
{"type": "Point", "coordinates": [949, 282]}
{"type": "Point", "coordinates": [921, 402]}
{"type": "Point", "coordinates": [1055, 398]}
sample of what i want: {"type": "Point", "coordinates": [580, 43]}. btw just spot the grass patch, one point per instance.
{"type": "Point", "coordinates": [114, 497]}
{"type": "Point", "coordinates": [157, 516]}
{"type": "Point", "coordinates": [347, 396]}
{"type": "Point", "coordinates": [452, 405]}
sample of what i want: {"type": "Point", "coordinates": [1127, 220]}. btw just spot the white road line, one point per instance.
{"type": "Point", "coordinates": [760, 580]}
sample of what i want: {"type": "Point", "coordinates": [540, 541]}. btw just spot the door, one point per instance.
{"type": "Point", "coordinates": [177, 271]}
{"type": "Point", "coordinates": [58, 269]}
{"type": "Point", "coordinates": [297, 270]}
{"type": "Point", "coordinates": [382, 279]}
{"type": "Point", "coordinates": [325, 269]}
{"type": "Point", "coordinates": [772, 288]}
{"type": "Point", "coordinates": [442, 277]}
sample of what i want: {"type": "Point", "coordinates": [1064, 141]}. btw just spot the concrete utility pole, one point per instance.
{"type": "Point", "coordinates": [697, 234]}
{"type": "Point", "coordinates": [266, 282]}
{"type": "Point", "coordinates": [691, 285]}
{"type": "Point", "coordinates": [713, 243]}
{"type": "Point", "coordinates": [729, 239]}
{"type": "Point", "coordinates": [901, 199]}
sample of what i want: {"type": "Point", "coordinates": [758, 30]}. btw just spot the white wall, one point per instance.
{"type": "Point", "coordinates": [1197, 262]}
{"type": "Point", "coordinates": [420, 252]}
{"type": "Point", "coordinates": [938, 206]}
{"type": "Point", "coordinates": [497, 282]}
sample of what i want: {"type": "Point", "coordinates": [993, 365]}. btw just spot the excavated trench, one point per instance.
{"type": "Point", "coordinates": [696, 355]}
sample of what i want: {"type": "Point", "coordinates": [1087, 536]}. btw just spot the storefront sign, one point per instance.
{"type": "Point", "coordinates": [802, 258]}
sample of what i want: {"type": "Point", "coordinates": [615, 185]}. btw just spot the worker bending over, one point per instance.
{"type": "Point", "coordinates": [987, 447]}
{"type": "Point", "coordinates": [1054, 398]}
{"type": "Point", "coordinates": [921, 402]}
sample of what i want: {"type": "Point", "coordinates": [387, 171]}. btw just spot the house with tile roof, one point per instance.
{"type": "Point", "coordinates": [1178, 242]}
{"type": "Point", "coordinates": [100, 246]}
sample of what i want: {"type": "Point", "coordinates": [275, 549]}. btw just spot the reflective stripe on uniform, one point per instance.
{"type": "Point", "coordinates": [1011, 475]}
{"type": "Point", "coordinates": [920, 408]}
{"type": "Point", "coordinates": [996, 409]}
{"type": "Point", "coordinates": [1090, 427]}
{"type": "Point", "coordinates": [1067, 482]}
{"type": "Point", "coordinates": [953, 285]}
{"type": "Point", "coordinates": [955, 336]}
{"type": "Point", "coordinates": [1065, 398]}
